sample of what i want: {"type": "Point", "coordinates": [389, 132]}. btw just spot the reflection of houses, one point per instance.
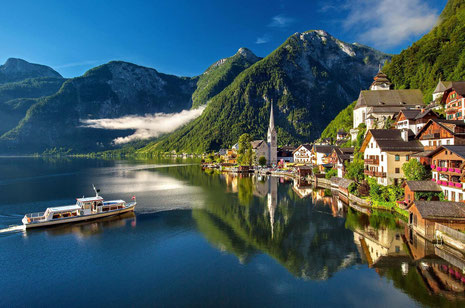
{"type": "Point", "coordinates": [303, 154]}
{"type": "Point", "coordinates": [302, 190]}
{"type": "Point", "coordinates": [447, 165]}
{"type": "Point", "coordinates": [385, 151]}
{"type": "Point", "coordinates": [379, 245]}
{"type": "Point", "coordinates": [423, 215]}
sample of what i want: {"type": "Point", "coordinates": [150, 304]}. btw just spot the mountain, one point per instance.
{"type": "Point", "coordinates": [111, 90]}
{"type": "Point", "coordinates": [309, 79]}
{"type": "Point", "coordinates": [344, 121]}
{"type": "Point", "coordinates": [17, 97]}
{"type": "Point", "coordinates": [438, 54]}
{"type": "Point", "coordinates": [220, 74]}
{"type": "Point", "coordinates": [17, 69]}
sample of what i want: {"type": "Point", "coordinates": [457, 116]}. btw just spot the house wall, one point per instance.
{"type": "Point", "coordinates": [302, 155]}
{"type": "Point", "coordinates": [409, 195]}
{"type": "Point", "coordinates": [360, 115]}
{"type": "Point", "coordinates": [450, 193]}
{"type": "Point", "coordinates": [392, 165]}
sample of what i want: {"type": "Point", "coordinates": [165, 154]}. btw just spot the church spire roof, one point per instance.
{"type": "Point", "coordinates": [271, 126]}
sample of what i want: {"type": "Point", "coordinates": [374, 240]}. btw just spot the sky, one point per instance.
{"type": "Point", "coordinates": [184, 37]}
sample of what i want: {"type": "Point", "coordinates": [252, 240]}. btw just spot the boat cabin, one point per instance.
{"type": "Point", "coordinates": [89, 205]}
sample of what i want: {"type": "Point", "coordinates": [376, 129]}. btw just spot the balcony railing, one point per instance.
{"type": "Point", "coordinates": [445, 169]}
{"type": "Point", "coordinates": [432, 136]}
{"type": "Point", "coordinates": [375, 173]}
{"type": "Point", "coordinates": [449, 184]}
{"type": "Point", "coordinates": [372, 161]}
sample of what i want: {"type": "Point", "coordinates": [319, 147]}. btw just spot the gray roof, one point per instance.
{"type": "Point", "coordinates": [306, 146]}
{"type": "Point", "coordinates": [256, 143]}
{"type": "Point", "coordinates": [459, 150]}
{"type": "Point", "coordinates": [380, 98]}
{"type": "Point", "coordinates": [441, 209]}
{"type": "Point", "coordinates": [391, 140]}
{"type": "Point", "coordinates": [423, 186]}
{"type": "Point", "coordinates": [323, 148]}
{"type": "Point", "coordinates": [446, 85]}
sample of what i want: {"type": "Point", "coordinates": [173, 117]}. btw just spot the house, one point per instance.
{"type": "Point", "coordinates": [339, 156]}
{"type": "Point", "coordinates": [259, 148]}
{"type": "Point", "coordinates": [303, 154]}
{"type": "Point", "coordinates": [419, 187]}
{"type": "Point", "coordinates": [447, 170]}
{"type": "Point", "coordinates": [378, 104]}
{"type": "Point", "coordinates": [383, 104]}
{"type": "Point", "coordinates": [414, 119]}
{"type": "Point", "coordinates": [385, 151]}
{"type": "Point", "coordinates": [285, 154]}
{"type": "Point", "coordinates": [321, 156]}
{"type": "Point", "coordinates": [454, 101]}
{"type": "Point", "coordinates": [441, 132]}
{"type": "Point", "coordinates": [230, 157]}
{"type": "Point", "coordinates": [443, 86]}
{"type": "Point", "coordinates": [341, 135]}
{"type": "Point", "coordinates": [423, 215]}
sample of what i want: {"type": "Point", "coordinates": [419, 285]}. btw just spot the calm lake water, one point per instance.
{"type": "Point", "coordinates": [199, 239]}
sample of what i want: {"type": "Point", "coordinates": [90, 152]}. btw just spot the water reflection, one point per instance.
{"type": "Point", "coordinates": [313, 233]}
{"type": "Point", "coordinates": [89, 228]}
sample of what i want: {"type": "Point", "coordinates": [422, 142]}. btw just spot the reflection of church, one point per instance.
{"type": "Point", "coordinates": [272, 200]}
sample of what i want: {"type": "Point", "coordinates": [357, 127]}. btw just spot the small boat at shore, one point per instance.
{"type": "Point", "coordinates": [84, 209]}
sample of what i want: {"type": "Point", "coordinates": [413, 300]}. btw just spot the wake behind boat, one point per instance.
{"type": "Point", "coordinates": [84, 209]}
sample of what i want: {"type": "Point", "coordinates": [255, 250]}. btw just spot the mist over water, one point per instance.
{"type": "Point", "coordinates": [148, 126]}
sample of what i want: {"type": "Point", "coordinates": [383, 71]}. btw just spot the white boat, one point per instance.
{"type": "Point", "coordinates": [84, 209]}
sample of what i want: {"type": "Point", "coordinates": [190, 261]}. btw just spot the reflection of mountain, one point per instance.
{"type": "Point", "coordinates": [267, 217]}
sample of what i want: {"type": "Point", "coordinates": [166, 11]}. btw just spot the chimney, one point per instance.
{"type": "Point", "coordinates": [404, 134]}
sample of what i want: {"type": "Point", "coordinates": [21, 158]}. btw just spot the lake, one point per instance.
{"type": "Point", "coordinates": [207, 239]}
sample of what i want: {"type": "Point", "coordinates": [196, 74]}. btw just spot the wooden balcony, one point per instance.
{"type": "Point", "coordinates": [372, 161]}
{"type": "Point", "coordinates": [375, 174]}
{"type": "Point", "coordinates": [432, 136]}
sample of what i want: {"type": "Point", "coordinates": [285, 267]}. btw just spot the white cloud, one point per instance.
{"type": "Point", "coordinates": [148, 126]}
{"type": "Point", "coordinates": [263, 39]}
{"type": "Point", "coordinates": [388, 23]}
{"type": "Point", "coordinates": [281, 21]}
{"type": "Point", "coordinates": [81, 63]}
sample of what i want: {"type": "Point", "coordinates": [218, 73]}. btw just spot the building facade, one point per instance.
{"type": "Point", "coordinates": [385, 151]}
{"type": "Point", "coordinates": [303, 154]}
{"type": "Point", "coordinates": [447, 170]}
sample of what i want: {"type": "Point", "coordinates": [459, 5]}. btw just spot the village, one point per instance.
{"type": "Point", "coordinates": [400, 155]}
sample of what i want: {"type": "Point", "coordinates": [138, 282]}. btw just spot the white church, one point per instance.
{"type": "Point", "coordinates": [268, 149]}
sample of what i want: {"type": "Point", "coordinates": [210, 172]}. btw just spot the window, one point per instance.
{"type": "Point", "coordinates": [448, 141]}
{"type": "Point", "coordinates": [460, 196]}
{"type": "Point", "coordinates": [397, 170]}
{"type": "Point", "coordinates": [381, 157]}
{"type": "Point", "coordinates": [397, 158]}
{"type": "Point", "coordinates": [452, 196]}
{"type": "Point", "coordinates": [407, 157]}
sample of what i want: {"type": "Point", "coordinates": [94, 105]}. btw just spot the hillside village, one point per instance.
{"type": "Point", "coordinates": [400, 154]}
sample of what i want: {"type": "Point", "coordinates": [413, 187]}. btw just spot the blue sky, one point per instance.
{"type": "Point", "coordinates": [184, 37]}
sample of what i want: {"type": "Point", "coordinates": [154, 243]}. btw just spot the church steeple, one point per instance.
{"type": "Point", "coordinates": [272, 140]}
{"type": "Point", "coordinates": [271, 125]}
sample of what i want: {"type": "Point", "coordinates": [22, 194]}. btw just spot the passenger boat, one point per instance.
{"type": "Point", "coordinates": [84, 209]}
